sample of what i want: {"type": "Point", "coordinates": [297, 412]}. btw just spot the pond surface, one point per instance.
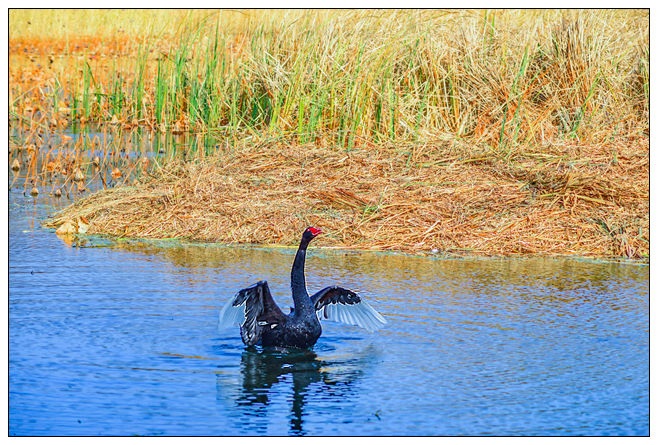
{"type": "Point", "coordinates": [121, 338]}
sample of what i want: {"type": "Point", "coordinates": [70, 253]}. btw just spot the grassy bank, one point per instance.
{"type": "Point", "coordinates": [468, 131]}
{"type": "Point", "coordinates": [557, 201]}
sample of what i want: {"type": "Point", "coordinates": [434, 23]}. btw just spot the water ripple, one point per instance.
{"type": "Point", "coordinates": [122, 340]}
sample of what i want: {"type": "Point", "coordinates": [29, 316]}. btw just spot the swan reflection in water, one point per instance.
{"type": "Point", "coordinates": [268, 376]}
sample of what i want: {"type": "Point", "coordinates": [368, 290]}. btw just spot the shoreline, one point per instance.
{"type": "Point", "coordinates": [336, 250]}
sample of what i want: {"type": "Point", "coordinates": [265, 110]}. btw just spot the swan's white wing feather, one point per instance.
{"type": "Point", "coordinates": [342, 305]}
{"type": "Point", "coordinates": [232, 315]}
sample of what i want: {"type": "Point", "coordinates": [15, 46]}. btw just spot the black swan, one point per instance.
{"type": "Point", "coordinates": [262, 321]}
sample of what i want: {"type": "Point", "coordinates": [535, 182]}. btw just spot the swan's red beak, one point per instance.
{"type": "Point", "coordinates": [314, 231]}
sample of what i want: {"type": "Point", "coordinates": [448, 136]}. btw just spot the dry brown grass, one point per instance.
{"type": "Point", "coordinates": [502, 78]}
{"type": "Point", "coordinates": [561, 200]}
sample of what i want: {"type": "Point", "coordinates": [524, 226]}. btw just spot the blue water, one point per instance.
{"type": "Point", "coordinates": [120, 338]}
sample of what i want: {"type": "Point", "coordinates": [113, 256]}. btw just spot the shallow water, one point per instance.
{"type": "Point", "coordinates": [120, 338]}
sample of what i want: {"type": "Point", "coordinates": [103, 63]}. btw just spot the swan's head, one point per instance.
{"type": "Point", "coordinates": [311, 233]}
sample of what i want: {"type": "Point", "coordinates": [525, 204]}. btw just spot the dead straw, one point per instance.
{"type": "Point", "coordinates": [569, 200]}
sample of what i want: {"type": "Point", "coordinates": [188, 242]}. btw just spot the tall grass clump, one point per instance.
{"type": "Point", "coordinates": [504, 79]}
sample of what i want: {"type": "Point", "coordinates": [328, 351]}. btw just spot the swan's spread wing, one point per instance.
{"type": "Point", "coordinates": [345, 306]}
{"type": "Point", "coordinates": [251, 308]}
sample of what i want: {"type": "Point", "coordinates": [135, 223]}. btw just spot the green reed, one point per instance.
{"type": "Point", "coordinates": [500, 78]}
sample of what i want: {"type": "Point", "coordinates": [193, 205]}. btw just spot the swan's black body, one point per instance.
{"type": "Point", "coordinates": [262, 321]}
{"type": "Point", "coordinates": [294, 332]}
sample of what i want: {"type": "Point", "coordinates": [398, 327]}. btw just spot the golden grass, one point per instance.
{"type": "Point", "coordinates": [73, 23]}
{"type": "Point", "coordinates": [502, 78]}
{"type": "Point", "coordinates": [458, 202]}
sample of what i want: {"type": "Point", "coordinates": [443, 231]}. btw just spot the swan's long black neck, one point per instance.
{"type": "Point", "coordinates": [303, 304]}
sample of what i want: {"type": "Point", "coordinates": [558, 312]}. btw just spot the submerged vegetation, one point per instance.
{"type": "Point", "coordinates": [484, 131]}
